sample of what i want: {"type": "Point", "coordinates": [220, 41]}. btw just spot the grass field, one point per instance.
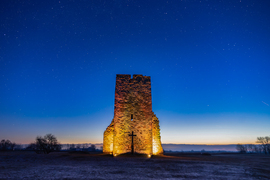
{"type": "Point", "coordinates": [64, 165]}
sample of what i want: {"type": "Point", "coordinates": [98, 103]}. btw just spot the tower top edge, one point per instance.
{"type": "Point", "coordinates": [129, 76]}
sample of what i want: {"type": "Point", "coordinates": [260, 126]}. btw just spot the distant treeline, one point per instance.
{"type": "Point", "coordinates": [199, 147]}
{"type": "Point", "coordinates": [81, 147]}
{"type": "Point", "coordinates": [7, 145]}
{"type": "Point", "coordinates": [262, 147]}
{"type": "Point", "coordinates": [48, 144]}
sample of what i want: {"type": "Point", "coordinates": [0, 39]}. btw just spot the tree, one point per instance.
{"type": "Point", "coordinates": [85, 146]}
{"type": "Point", "coordinates": [241, 148]}
{"type": "Point", "coordinates": [45, 144]}
{"type": "Point", "coordinates": [78, 146]}
{"type": "Point", "coordinates": [18, 147]}
{"type": "Point", "coordinates": [52, 143]}
{"type": "Point", "coordinates": [256, 149]}
{"type": "Point", "coordinates": [92, 148]}
{"type": "Point", "coordinates": [31, 146]}
{"type": "Point", "coordinates": [6, 145]}
{"type": "Point", "coordinates": [265, 143]}
{"type": "Point", "coordinates": [251, 148]}
{"type": "Point", "coordinates": [72, 147]}
{"type": "Point", "coordinates": [12, 146]}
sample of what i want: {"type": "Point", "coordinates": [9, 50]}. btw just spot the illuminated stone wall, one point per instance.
{"type": "Point", "coordinates": [133, 112]}
{"type": "Point", "coordinates": [157, 148]}
{"type": "Point", "coordinates": [108, 139]}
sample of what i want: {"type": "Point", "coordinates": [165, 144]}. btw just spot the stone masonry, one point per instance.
{"type": "Point", "coordinates": [133, 112]}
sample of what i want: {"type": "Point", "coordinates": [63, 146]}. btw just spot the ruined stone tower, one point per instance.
{"type": "Point", "coordinates": [133, 113]}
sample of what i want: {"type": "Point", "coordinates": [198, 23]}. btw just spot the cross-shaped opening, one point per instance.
{"type": "Point", "coordinates": [131, 117]}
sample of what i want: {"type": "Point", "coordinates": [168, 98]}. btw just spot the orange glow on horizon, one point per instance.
{"type": "Point", "coordinates": [82, 141]}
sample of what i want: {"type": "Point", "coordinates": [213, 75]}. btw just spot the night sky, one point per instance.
{"type": "Point", "coordinates": [209, 63]}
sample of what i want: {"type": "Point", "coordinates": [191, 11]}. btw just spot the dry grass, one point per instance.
{"type": "Point", "coordinates": [28, 165]}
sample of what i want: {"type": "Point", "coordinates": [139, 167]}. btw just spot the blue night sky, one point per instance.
{"type": "Point", "coordinates": [208, 61]}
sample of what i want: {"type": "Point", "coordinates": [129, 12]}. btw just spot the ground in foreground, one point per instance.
{"type": "Point", "coordinates": [63, 165]}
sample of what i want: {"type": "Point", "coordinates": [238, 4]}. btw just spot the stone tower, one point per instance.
{"type": "Point", "coordinates": [133, 113]}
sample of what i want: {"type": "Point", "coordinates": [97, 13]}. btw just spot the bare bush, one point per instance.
{"type": "Point", "coordinates": [92, 148]}
{"type": "Point", "coordinates": [241, 148]}
{"type": "Point", "coordinates": [7, 145]}
{"type": "Point", "coordinates": [265, 143]}
{"type": "Point", "coordinates": [45, 144]}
